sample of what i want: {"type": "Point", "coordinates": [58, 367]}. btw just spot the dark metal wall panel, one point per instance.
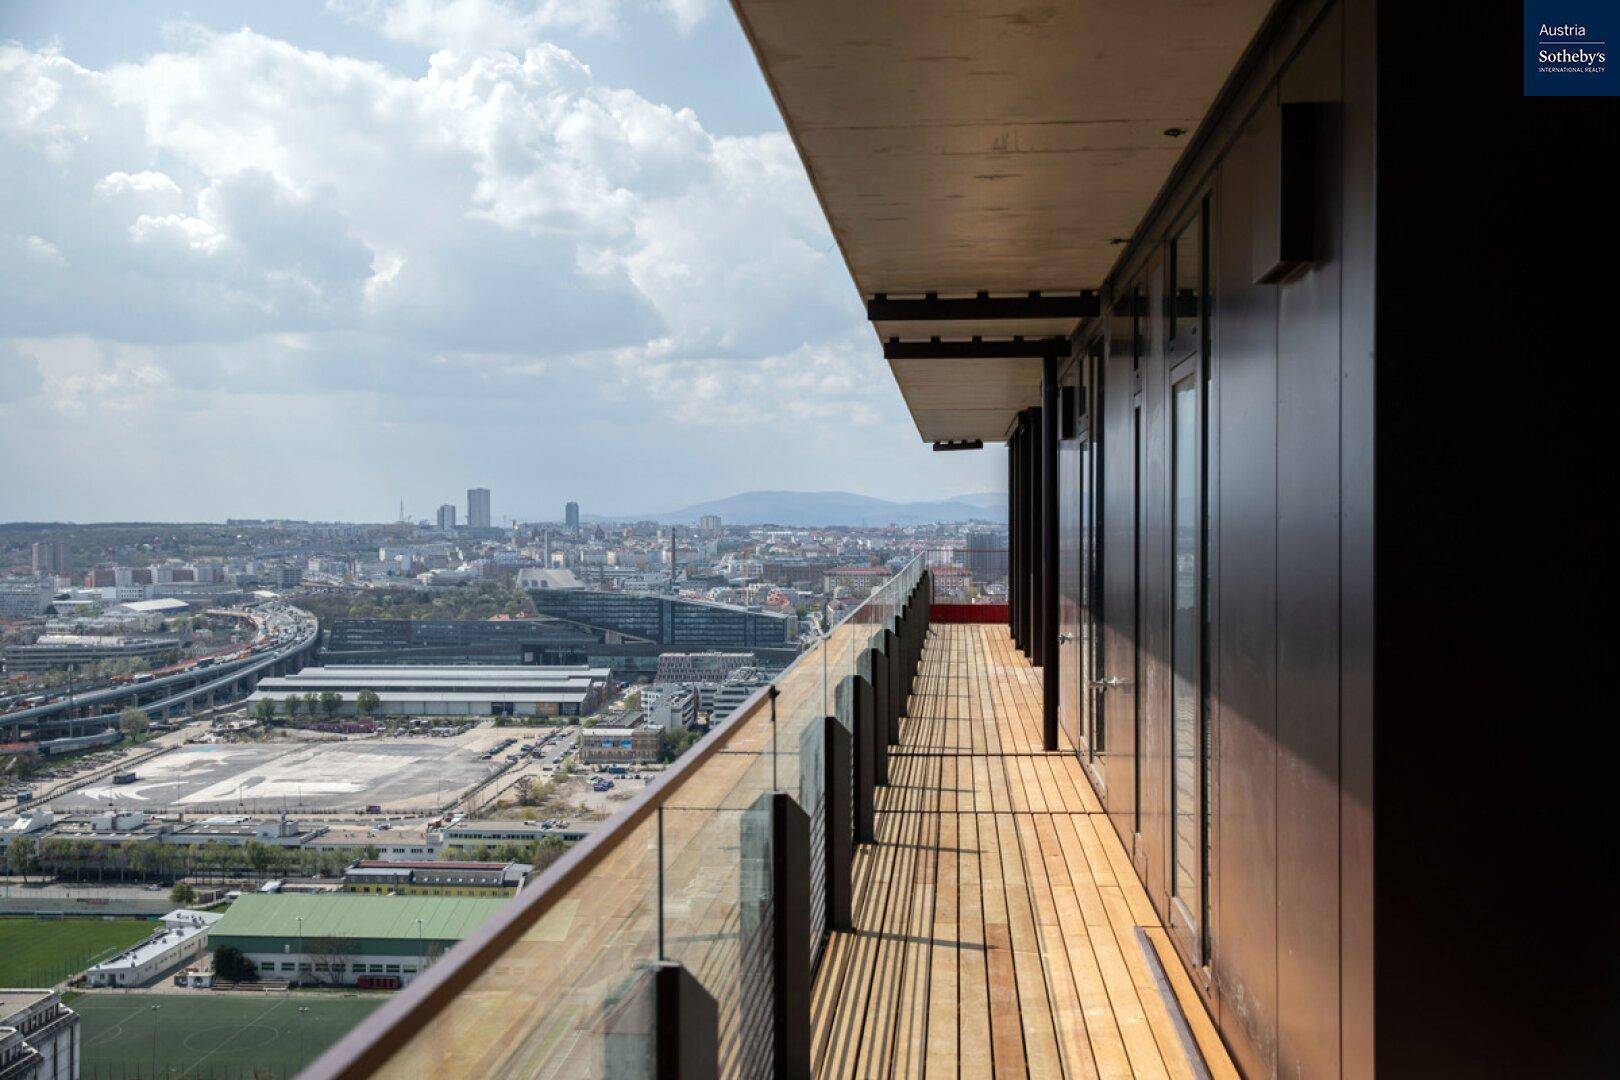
{"type": "Point", "coordinates": [1071, 692]}
{"type": "Point", "coordinates": [1244, 962]}
{"type": "Point", "coordinates": [1119, 578]}
{"type": "Point", "coordinates": [1358, 252]}
{"type": "Point", "coordinates": [1291, 927]}
{"type": "Point", "coordinates": [1153, 842]}
{"type": "Point", "coordinates": [1308, 602]}
{"type": "Point", "coordinates": [1498, 953]}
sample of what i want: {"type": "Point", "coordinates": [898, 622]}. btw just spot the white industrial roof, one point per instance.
{"type": "Point", "coordinates": [151, 948]}
{"type": "Point", "coordinates": [153, 607]}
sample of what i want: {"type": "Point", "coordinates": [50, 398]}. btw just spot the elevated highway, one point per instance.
{"type": "Point", "coordinates": [289, 636]}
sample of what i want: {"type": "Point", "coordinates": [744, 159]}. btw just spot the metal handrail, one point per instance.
{"type": "Point", "coordinates": [376, 1038]}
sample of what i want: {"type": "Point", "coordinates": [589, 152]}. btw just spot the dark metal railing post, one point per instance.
{"type": "Point", "coordinates": [866, 747]}
{"type": "Point", "coordinates": [687, 1043]}
{"type": "Point", "coordinates": [838, 762]}
{"type": "Point", "coordinates": [891, 652]}
{"type": "Point", "coordinates": [880, 716]}
{"type": "Point", "coordinates": [790, 926]}
{"type": "Point", "coordinates": [663, 1020]}
{"type": "Point", "coordinates": [902, 632]}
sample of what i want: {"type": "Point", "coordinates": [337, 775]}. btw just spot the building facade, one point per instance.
{"type": "Point", "coordinates": [478, 508]}
{"type": "Point", "coordinates": [447, 516]}
{"type": "Point", "coordinates": [424, 690]}
{"type": "Point", "coordinates": [689, 667]}
{"type": "Point", "coordinates": [39, 1036]}
{"type": "Point", "coordinates": [49, 557]}
{"type": "Point", "coordinates": [620, 745]}
{"type": "Point", "coordinates": [342, 939]}
{"type": "Point", "coordinates": [667, 621]}
{"type": "Point", "coordinates": [405, 878]}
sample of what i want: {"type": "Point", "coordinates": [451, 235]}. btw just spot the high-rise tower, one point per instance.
{"type": "Point", "coordinates": [478, 508]}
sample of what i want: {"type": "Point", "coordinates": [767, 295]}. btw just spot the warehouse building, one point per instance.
{"type": "Point", "coordinates": [184, 936]}
{"type": "Point", "coordinates": [451, 690]}
{"type": "Point", "coordinates": [341, 939]}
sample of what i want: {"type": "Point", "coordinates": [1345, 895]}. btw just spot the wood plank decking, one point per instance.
{"type": "Point", "coordinates": [996, 916]}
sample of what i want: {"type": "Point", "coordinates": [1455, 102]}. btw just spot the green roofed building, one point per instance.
{"type": "Point", "coordinates": [344, 939]}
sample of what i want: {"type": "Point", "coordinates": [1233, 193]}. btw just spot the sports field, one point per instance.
{"type": "Point", "coordinates": [220, 1035]}
{"type": "Point", "coordinates": [43, 952]}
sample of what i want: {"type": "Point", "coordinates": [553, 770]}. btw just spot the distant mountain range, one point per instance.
{"type": "Point", "coordinates": [839, 508]}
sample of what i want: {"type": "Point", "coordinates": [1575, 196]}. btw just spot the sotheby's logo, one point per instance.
{"type": "Point", "coordinates": [1567, 48]}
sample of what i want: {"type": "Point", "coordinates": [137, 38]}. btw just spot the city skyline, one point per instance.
{"type": "Point", "coordinates": [193, 301]}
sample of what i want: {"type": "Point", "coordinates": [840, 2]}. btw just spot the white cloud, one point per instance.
{"type": "Point", "coordinates": [41, 250]}
{"type": "Point", "coordinates": [145, 183]}
{"type": "Point", "coordinates": [240, 228]}
{"type": "Point", "coordinates": [478, 24]}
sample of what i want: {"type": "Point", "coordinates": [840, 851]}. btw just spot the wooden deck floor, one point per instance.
{"type": "Point", "coordinates": [996, 917]}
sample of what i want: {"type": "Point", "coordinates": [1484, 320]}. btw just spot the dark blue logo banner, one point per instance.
{"type": "Point", "coordinates": [1569, 48]}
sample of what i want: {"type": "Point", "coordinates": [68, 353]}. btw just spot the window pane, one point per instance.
{"type": "Point", "coordinates": [1184, 646]}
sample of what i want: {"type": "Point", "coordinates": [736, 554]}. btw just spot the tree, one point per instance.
{"type": "Point", "coordinates": [132, 721]}
{"type": "Point", "coordinates": [330, 958]}
{"type": "Point", "coordinates": [182, 894]}
{"type": "Point", "coordinates": [367, 702]}
{"type": "Point", "coordinates": [548, 851]}
{"type": "Point", "coordinates": [260, 855]}
{"type": "Point", "coordinates": [265, 710]}
{"type": "Point", "coordinates": [312, 702]}
{"type": "Point", "coordinates": [331, 702]}
{"type": "Point", "coordinates": [294, 703]}
{"type": "Point", "coordinates": [20, 856]}
{"type": "Point", "coordinates": [232, 966]}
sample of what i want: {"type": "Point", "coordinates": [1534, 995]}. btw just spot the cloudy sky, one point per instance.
{"type": "Point", "coordinates": [305, 259]}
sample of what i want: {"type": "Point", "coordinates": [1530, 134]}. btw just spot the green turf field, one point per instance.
{"type": "Point", "coordinates": [221, 1035]}
{"type": "Point", "coordinates": [43, 952]}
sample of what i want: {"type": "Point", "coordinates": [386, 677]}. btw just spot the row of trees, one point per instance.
{"type": "Point", "coordinates": [147, 860]}
{"type": "Point", "coordinates": [327, 703]}
{"type": "Point", "coordinates": [478, 600]}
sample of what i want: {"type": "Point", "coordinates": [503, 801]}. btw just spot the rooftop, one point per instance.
{"type": "Point", "coordinates": [444, 918]}
{"type": "Point", "coordinates": [150, 949]}
{"type": "Point", "coordinates": [156, 607]}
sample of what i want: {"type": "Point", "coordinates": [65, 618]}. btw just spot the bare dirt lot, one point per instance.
{"type": "Point", "coordinates": [398, 774]}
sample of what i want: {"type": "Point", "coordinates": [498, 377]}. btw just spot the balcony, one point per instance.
{"type": "Point", "coordinates": [833, 883]}
{"type": "Point", "coordinates": [999, 928]}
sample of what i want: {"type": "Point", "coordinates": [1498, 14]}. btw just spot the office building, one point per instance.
{"type": "Point", "coordinates": [667, 621]}
{"type": "Point", "coordinates": [449, 641]}
{"type": "Point", "coordinates": [24, 598]}
{"type": "Point", "coordinates": [986, 558]}
{"type": "Point", "coordinates": [50, 557]}
{"type": "Point", "coordinates": [39, 1036]}
{"type": "Point", "coordinates": [478, 508]}
{"type": "Point", "coordinates": [728, 696]}
{"type": "Point", "coordinates": [671, 707]}
{"type": "Point", "coordinates": [690, 667]}
{"type": "Point", "coordinates": [342, 939]}
{"type": "Point", "coordinates": [620, 745]}
{"type": "Point", "coordinates": [709, 523]}
{"type": "Point", "coordinates": [447, 516]}
{"type": "Point", "coordinates": [571, 516]}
